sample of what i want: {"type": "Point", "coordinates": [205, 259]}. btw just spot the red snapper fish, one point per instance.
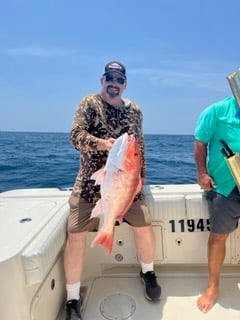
{"type": "Point", "coordinates": [120, 181]}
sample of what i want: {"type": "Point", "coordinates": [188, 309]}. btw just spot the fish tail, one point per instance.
{"type": "Point", "coordinates": [106, 239]}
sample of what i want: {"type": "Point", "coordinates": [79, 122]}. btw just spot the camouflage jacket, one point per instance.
{"type": "Point", "coordinates": [94, 118]}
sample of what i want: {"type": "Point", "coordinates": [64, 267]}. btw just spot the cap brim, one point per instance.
{"type": "Point", "coordinates": [122, 74]}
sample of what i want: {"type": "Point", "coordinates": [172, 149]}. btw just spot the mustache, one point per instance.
{"type": "Point", "coordinates": [112, 87]}
{"type": "Point", "coordinates": [112, 91]}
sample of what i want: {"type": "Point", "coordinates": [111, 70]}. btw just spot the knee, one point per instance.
{"type": "Point", "coordinates": [146, 230]}
{"type": "Point", "coordinates": [76, 237]}
{"type": "Point", "coordinates": [218, 238]}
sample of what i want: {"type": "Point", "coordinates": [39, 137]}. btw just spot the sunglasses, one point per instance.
{"type": "Point", "coordinates": [112, 79]}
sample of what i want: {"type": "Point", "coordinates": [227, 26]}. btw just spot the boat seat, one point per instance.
{"type": "Point", "coordinates": [41, 254]}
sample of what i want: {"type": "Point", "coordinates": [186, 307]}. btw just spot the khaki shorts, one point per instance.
{"type": "Point", "coordinates": [80, 210]}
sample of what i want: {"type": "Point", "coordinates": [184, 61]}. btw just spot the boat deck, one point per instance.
{"type": "Point", "coordinates": [120, 297]}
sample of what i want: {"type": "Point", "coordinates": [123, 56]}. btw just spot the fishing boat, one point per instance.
{"type": "Point", "coordinates": [32, 239]}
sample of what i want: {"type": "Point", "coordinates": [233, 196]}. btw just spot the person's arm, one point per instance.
{"type": "Point", "coordinates": [200, 153]}
{"type": "Point", "coordinates": [80, 135]}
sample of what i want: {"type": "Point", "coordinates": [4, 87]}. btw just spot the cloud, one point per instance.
{"type": "Point", "coordinates": [201, 74]}
{"type": "Point", "coordinates": [39, 51]}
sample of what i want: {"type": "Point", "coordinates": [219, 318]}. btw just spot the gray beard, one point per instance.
{"type": "Point", "coordinates": [112, 94]}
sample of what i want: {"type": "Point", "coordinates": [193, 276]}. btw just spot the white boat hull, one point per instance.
{"type": "Point", "coordinates": [32, 237]}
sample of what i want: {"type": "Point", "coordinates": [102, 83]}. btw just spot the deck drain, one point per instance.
{"type": "Point", "coordinates": [117, 306]}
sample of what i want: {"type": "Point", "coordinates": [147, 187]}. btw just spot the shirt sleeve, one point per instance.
{"type": "Point", "coordinates": [206, 125]}
{"type": "Point", "coordinates": [80, 136]}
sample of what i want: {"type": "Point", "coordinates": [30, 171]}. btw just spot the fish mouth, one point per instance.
{"type": "Point", "coordinates": [131, 138]}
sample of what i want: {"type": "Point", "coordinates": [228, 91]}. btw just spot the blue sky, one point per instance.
{"type": "Point", "coordinates": [177, 54]}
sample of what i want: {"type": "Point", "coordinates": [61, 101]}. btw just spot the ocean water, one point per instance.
{"type": "Point", "coordinates": [33, 160]}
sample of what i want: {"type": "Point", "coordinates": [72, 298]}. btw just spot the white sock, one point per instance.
{"type": "Point", "coordinates": [146, 266]}
{"type": "Point", "coordinates": [73, 291]}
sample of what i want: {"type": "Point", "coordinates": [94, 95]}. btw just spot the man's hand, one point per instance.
{"type": "Point", "coordinates": [105, 144]}
{"type": "Point", "coordinates": [206, 182]}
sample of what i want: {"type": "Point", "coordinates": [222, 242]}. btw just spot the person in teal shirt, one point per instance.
{"type": "Point", "coordinates": [219, 121]}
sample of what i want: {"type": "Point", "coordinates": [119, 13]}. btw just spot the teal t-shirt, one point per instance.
{"type": "Point", "coordinates": [219, 121]}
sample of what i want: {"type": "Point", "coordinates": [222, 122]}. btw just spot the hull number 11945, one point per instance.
{"type": "Point", "coordinates": [189, 225]}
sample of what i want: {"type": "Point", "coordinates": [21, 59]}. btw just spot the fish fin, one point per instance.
{"type": "Point", "coordinates": [97, 210]}
{"type": "Point", "coordinates": [104, 238]}
{"type": "Point", "coordinates": [98, 176]}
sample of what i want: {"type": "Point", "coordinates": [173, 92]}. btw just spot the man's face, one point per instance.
{"type": "Point", "coordinates": [113, 84]}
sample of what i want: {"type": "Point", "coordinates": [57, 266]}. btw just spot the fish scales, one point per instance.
{"type": "Point", "coordinates": [120, 181]}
